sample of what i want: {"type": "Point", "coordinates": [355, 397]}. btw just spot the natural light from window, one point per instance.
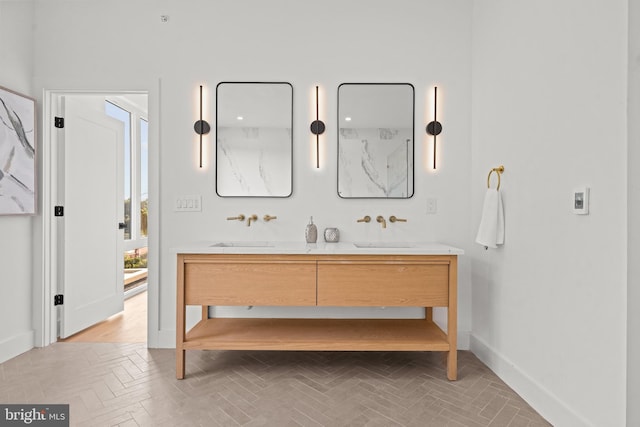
{"type": "Point", "coordinates": [136, 189]}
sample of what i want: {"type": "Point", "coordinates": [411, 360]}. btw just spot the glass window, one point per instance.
{"type": "Point", "coordinates": [136, 189]}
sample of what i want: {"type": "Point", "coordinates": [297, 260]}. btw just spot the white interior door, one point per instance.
{"type": "Point", "coordinates": [92, 184]}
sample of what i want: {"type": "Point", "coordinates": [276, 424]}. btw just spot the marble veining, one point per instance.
{"type": "Point", "coordinates": [253, 161]}
{"type": "Point", "coordinates": [369, 168]}
{"type": "Point", "coordinates": [375, 162]}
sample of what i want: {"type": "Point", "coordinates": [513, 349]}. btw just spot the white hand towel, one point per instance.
{"type": "Point", "coordinates": [491, 230]}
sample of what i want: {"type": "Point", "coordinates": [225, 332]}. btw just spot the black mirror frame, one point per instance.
{"type": "Point", "coordinates": [413, 126]}
{"type": "Point", "coordinates": [292, 144]}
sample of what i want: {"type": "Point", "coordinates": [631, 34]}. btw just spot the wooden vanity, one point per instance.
{"type": "Point", "coordinates": [317, 279]}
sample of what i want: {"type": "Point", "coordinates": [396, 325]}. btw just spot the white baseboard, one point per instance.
{"type": "Point", "coordinates": [16, 345]}
{"type": "Point", "coordinates": [464, 340]}
{"type": "Point", "coordinates": [542, 400]}
{"type": "Point", "coordinates": [165, 339]}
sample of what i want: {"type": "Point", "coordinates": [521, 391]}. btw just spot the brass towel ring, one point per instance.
{"type": "Point", "coordinates": [498, 171]}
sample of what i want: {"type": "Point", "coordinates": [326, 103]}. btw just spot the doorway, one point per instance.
{"type": "Point", "coordinates": [132, 220]}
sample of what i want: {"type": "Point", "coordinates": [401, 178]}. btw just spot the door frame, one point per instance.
{"type": "Point", "coordinates": [45, 315]}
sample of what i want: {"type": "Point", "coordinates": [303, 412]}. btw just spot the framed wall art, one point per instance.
{"type": "Point", "coordinates": [17, 153]}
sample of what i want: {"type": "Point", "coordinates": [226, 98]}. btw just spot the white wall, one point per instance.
{"type": "Point", "coordinates": [549, 102]}
{"type": "Point", "coordinates": [208, 42]}
{"type": "Point", "coordinates": [16, 250]}
{"type": "Point", "coordinates": [633, 291]}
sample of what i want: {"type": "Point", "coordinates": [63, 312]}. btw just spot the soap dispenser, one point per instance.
{"type": "Point", "coordinates": [311, 232]}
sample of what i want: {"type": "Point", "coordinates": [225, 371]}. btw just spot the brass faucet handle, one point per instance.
{"type": "Point", "coordinates": [393, 218]}
{"type": "Point", "coordinates": [237, 218]}
{"type": "Point", "coordinates": [251, 219]}
{"type": "Point", "coordinates": [268, 218]}
{"type": "Point", "coordinates": [366, 218]}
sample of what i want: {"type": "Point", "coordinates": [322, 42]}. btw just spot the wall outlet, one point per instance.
{"type": "Point", "coordinates": [191, 203]}
{"type": "Point", "coordinates": [432, 206]}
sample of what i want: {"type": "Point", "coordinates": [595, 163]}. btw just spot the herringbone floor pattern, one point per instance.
{"type": "Point", "coordinates": [129, 385]}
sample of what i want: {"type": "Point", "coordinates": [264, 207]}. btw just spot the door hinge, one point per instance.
{"type": "Point", "coordinates": [58, 299]}
{"type": "Point", "coordinates": [58, 211]}
{"type": "Point", "coordinates": [58, 122]}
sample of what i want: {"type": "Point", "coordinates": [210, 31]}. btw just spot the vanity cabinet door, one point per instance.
{"type": "Point", "coordinates": [250, 281]}
{"type": "Point", "coordinates": [383, 283]}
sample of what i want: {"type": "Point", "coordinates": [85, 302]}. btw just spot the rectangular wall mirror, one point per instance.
{"type": "Point", "coordinates": [254, 142]}
{"type": "Point", "coordinates": [375, 140]}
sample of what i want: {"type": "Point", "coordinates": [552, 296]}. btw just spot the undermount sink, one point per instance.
{"type": "Point", "coordinates": [242, 245]}
{"type": "Point", "coordinates": [383, 245]}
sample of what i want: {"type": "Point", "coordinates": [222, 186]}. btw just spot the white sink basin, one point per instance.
{"type": "Point", "coordinates": [385, 245]}
{"type": "Point", "coordinates": [242, 245]}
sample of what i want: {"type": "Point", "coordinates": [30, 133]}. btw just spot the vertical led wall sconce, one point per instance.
{"type": "Point", "coordinates": [201, 126]}
{"type": "Point", "coordinates": [434, 127]}
{"type": "Point", "coordinates": [317, 128]}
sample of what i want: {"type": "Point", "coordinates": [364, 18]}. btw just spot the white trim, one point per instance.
{"type": "Point", "coordinates": [16, 345]}
{"type": "Point", "coordinates": [45, 315]}
{"type": "Point", "coordinates": [42, 235]}
{"type": "Point", "coordinates": [153, 220]}
{"type": "Point", "coordinates": [540, 398]}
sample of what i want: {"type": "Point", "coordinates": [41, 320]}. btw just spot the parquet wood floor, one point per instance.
{"type": "Point", "coordinates": [117, 384]}
{"type": "Point", "coordinates": [110, 378]}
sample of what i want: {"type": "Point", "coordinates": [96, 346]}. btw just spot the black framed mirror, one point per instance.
{"type": "Point", "coordinates": [254, 139]}
{"type": "Point", "coordinates": [376, 140]}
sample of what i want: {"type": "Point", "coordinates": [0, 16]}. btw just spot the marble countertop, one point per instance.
{"type": "Point", "coordinates": [340, 248]}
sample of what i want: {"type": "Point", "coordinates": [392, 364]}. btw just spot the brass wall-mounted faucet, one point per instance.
{"type": "Point", "coordinates": [268, 218]}
{"type": "Point", "coordinates": [366, 218]}
{"type": "Point", "coordinates": [381, 220]}
{"type": "Point", "coordinates": [253, 218]}
{"type": "Point", "coordinates": [236, 218]}
{"type": "Point", "coordinates": [393, 218]}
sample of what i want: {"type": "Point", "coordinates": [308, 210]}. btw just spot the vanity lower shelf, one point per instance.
{"type": "Point", "coordinates": [317, 335]}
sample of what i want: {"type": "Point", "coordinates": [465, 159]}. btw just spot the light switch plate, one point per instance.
{"type": "Point", "coordinates": [581, 201]}
{"type": "Point", "coordinates": [191, 203]}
